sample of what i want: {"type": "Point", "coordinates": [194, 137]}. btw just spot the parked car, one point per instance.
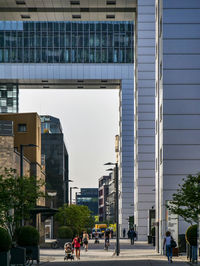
{"type": "Point", "coordinates": [98, 231]}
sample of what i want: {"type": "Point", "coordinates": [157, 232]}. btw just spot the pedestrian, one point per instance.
{"type": "Point", "coordinates": [77, 245]}
{"type": "Point", "coordinates": [167, 243]}
{"type": "Point", "coordinates": [85, 240]}
{"type": "Point", "coordinates": [132, 235]}
{"type": "Point", "coordinates": [124, 233]}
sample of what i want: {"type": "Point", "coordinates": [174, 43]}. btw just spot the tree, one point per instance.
{"type": "Point", "coordinates": [186, 201]}
{"type": "Point", "coordinates": [18, 196]}
{"type": "Point", "coordinates": [77, 217]}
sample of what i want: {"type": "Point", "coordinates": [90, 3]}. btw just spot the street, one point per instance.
{"type": "Point", "coordinates": [138, 254]}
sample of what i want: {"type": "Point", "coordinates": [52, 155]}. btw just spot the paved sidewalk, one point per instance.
{"type": "Point", "coordinates": [141, 251]}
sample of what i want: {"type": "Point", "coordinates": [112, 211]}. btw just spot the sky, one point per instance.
{"type": "Point", "coordinates": [90, 121]}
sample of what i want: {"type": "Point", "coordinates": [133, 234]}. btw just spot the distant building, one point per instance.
{"type": "Point", "coordinates": [111, 199]}
{"type": "Point", "coordinates": [23, 129]}
{"type": "Point", "coordinates": [103, 195]}
{"type": "Point", "coordinates": [88, 197]}
{"type": "Point", "coordinates": [56, 158]}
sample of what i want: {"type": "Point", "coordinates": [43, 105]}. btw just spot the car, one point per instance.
{"type": "Point", "coordinates": [98, 231]}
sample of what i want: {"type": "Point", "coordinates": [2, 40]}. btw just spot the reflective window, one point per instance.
{"type": "Point", "coordinates": [66, 42]}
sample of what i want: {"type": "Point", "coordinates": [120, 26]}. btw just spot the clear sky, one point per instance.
{"type": "Point", "coordinates": [90, 121]}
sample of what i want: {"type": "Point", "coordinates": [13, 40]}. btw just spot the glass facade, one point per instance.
{"type": "Point", "coordinates": [8, 98]}
{"type": "Point", "coordinates": [66, 42]}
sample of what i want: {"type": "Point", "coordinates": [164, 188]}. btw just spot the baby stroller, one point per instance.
{"type": "Point", "coordinates": [68, 251]}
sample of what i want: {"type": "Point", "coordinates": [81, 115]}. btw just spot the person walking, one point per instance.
{"type": "Point", "coordinates": [132, 235]}
{"type": "Point", "coordinates": [124, 233]}
{"type": "Point", "coordinates": [167, 243]}
{"type": "Point", "coordinates": [85, 240]}
{"type": "Point", "coordinates": [77, 245]}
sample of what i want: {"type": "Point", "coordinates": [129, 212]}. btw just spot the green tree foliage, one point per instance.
{"type": "Point", "coordinates": [18, 195]}
{"type": "Point", "coordinates": [186, 201]}
{"type": "Point", "coordinates": [77, 217]}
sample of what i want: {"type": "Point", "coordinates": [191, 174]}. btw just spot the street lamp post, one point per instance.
{"type": "Point", "coordinates": [71, 188]}
{"type": "Point", "coordinates": [117, 204]}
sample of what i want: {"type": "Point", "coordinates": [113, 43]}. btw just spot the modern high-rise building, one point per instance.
{"type": "Point", "coordinates": [149, 50]}
{"type": "Point", "coordinates": [88, 197]}
{"type": "Point", "coordinates": [56, 159]}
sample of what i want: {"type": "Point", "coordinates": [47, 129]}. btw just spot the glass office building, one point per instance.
{"type": "Point", "coordinates": [8, 98]}
{"type": "Point", "coordinates": [66, 42]}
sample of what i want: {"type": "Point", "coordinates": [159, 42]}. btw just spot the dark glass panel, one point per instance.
{"type": "Point", "coordinates": [44, 40]}
{"type": "Point", "coordinates": [50, 26]}
{"type": "Point", "coordinates": [32, 55]}
{"type": "Point", "coordinates": [86, 39]}
{"type": "Point", "coordinates": [50, 40]}
{"type": "Point", "coordinates": [86, 26]}
{"type": "Point", "coordinates": [38, 55]}
{"type": "Point", "coordinates": [1, 55]}
{"type": "Point", "coordinates": [68, 39]}
{"type": "Point", "coordinates": [80, 39]}
{"type": "Point", "coordinates": [74, 26]}
{"type": "Point", "coordinates": [92, 55]}
{"type": "Point", "coordinates": [74, 40]}
{"type": "Point", "coordinates": [44, 55]}
{"type": "Point", "coordinates": [56, 26]}
{"type": "Point", "coordinates": [13, 39]}
{"type": "Point", "coordinates": [98, 26]}
{"type": "Point", "coordinates": [110, 55]}
{"type": "Point", "coordinates": [38, 26]}
{"type": "Point", "coordinates": [38, 42]}
{"type": "Point", "coordinates": [32, 39]}
{"type": "Point", "coordinates": [26, 26]}
{"type": "Point", "coordinates": [110, 39]}
{"type": "Point", "coordinates": [62, 58]}
{"type": "Point", "coordinates": [122, 56]}
{"type": "Point", "coordinates": [116, 27]}
{"type": "Point", "coordinates": [67, 56]}
{"type": "Point", "coordinates": [19, 39]}
{"type": "Point", "coordinates": [80, 55]}
{"type": "Point", "coordinates": [110, 27]}
{"type": "Point", "coordinates": [80, 27]}
{"type": "Point", "coordinates": [122, 27]}
{"type": "Point", "coordinates": [92, 27]}
{"type": "Point", "coordinates": [56, 39]}
{"type": "Point", "coordinates": [62, 26]}
{"type": "Point", "coordinates": [116, 56]}
{"type": "Point", "coordinates": [129, 37]}
{"type": "Point", "coordinates": [116, 40]}
{"type": "Point", "coordinates": [26, 42]}
{"type": "Point", "coordinates": [104, 55]}
{"type": "Point", "coordinates": [86, 55]}
{"type": "Point", "coordinates": [14, 55]}
{"type": "Point", "coordinates": [50, 55]}
{"type": "Point", "coordinates": [68, 26]}
{"type": "Point", "coordinates": [1, 39]}
{"type": "Point", "coordinates": [19, 56]}
{"type": "Point", "coordinates": [104, 39]}
{"type": "Point", "coordinates": [62, 40]}
{"type": "Point", "coordinates": [98, 56]}
{"type": "Point", "coordinates": [7, 39]}
{"type": "Point", "coordinates": [44, 26]}
{"type": "Point", "coordinates": [31, 26]}
{"type": "Point", "coordinates": [98, 40]}
{"type": "Point", "coordinates": [104, 26]}
{"type": "Point", "coordinates": [128, 56]}
{"type": "Point", "coordinates": [26, 55]}
{"type": "Point", "coordinates": [122, 39]}
{"type": "Point", "coordinates": [74, 55]}
{"type": "Point", "coordinates": [56, 55]}
{"type": "Point", "coordinates": [92, 40]}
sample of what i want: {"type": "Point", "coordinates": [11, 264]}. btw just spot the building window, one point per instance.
{"type": "Point", "coordinates": [22, 128]}
{"type": "Point", "coordinates": [67, 42]}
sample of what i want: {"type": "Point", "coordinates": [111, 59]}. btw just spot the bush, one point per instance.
{"type": "Point", "coordinates": [191, 235]}
{"type": "Point", "coordinates": [5, 243]}
{"type": "Point", "coordinates": [28, 236]}
{"type": "Point", "coordinates": [65, 232]}
{"type": "Point", "coordinates": [153, 231]}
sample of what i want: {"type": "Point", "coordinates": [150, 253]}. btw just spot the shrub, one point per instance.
{"type": "Point", "coordinates": [65, 232]}
{"type": "Point", "coordinates": [28, 236]}
{"type": "Point", "coordinates": [191, 235]}
{"type": "Point", "coordinates": [153, 231]}
{"type": "Point", "coordinates": [5, 243]}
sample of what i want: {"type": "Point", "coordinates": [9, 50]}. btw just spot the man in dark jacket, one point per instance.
{"type": "Point", "coordinates": [132, 235]}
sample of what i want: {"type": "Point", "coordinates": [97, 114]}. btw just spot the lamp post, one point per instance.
{"type": "Point", "coordinates": [66, 190]}
{"type": "Point", "coordinates": [117, 204]}
{"type": "Point", "coordinates": [71, 188]}
{"type": "Point", "coordinates": [22, 166]}
{"type": "Point", "coordinates": [52, 194]}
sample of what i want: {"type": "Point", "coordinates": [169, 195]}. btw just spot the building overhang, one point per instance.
{"type": "Point", "coordinates": [69, 10]}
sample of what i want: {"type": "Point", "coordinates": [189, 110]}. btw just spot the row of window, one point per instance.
{"type": "Point", "coordinates": [20, 39]}
{"type": "Point", "coordinates": [77, 55]}
{"type": "Point", "coordinates": [66, 26]}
